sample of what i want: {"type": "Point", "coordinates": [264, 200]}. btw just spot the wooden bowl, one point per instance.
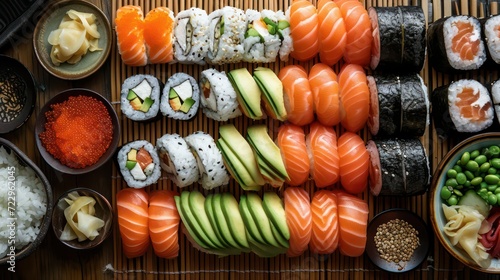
{"type": "Point", "coordinates": [40, 127]}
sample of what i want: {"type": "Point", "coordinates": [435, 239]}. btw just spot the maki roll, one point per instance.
{"type": "Point", "coordinates": [455, 44]}
{"type": "Point", "coordinates": [177, 160]}
{"type": "Point", "coordinates": [495, 95]}
{"type": "Point", "coordinates": [491, 37]}
{"type": "Point", "coordinates": [226, 34]}
{"type": "Point", "coordinates": [191, 36]}
{"type": "Point", "coordinates": [180, 98]}
{"type": "Point", "coordinates": [140, 97]}
{"type": "Point", "coordinates": [211, 167]}
{"type": "Point", "coordinates": [139, 164]}
{"type": "Point", "coordinates": [262, 42]}
{"type": "Point", "coordinates": [218, 98]}
{"type": "Point", "coordinates": [399, 41]}
{"type": "Point", "coordinates": [399, 105]}
{"type": "Point", "coordinates": [463, 106]}
{"type": "Point", "coordinates": [398, 167]}
{"type": "Point", "coordinates": [284, 33]}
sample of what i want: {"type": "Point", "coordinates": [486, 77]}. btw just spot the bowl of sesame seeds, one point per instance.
{"type": "Point", "coordinates": [397, 240]}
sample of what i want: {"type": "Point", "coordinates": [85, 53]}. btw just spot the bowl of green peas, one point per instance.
{"type": "Point", "coordinates": [468, 175]}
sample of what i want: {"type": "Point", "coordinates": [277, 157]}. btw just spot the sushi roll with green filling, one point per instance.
{"type": "Point", "coordinates": [180, 98]}
{"type": "Point", "coordinates": [262, 42]}
{"type": "Point", "coordinates": [284, 33]}
{"type": "Point", "coordinates": [139, 164]}
{"type": "Point", "coordinates": [213, 173]}
{"type": "Point", "coordinates": [191, 36]}
{"type": "Point", "coordinates": [218, 98]}
{"type": "Point", "coordinates": [177, 160]}
{"type": "Point", "coordinates": [140, 97]}
{"type": "Point", "coordinates": [226, 34]}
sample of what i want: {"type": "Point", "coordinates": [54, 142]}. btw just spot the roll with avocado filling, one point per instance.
{"type": "Point", "coordinates": [140, 96]}
{"type": "Point", "coordinates": [139, 164]}
{"type": "Point", "coordinates": [180, 99]}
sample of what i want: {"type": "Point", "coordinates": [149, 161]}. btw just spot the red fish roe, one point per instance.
{"type": "Point", "coordinates": [78, 131]}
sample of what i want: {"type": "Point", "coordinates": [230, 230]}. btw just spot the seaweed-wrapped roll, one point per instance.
{"type": "Point", "coordinates": [181, 97]}
{"type": "Point", "coordinates": [139, 164]}
{"type": "Point", "coordinates": [140, 97]}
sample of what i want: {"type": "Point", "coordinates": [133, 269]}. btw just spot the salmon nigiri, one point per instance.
{"type": "Point", "coordinates": [325, 224]}
{"type": "Point", "coordinates": [298, 219]}
{"type": "Point", "coordinates": [354, 97]}
{"type": "Point", "coordinates": [321, 145]}
{"type": "Point", "coordinates": [304, 30]}
{"type": "Point", "coordinates": [297, 94]}
{"type": "Point", "coordinates": [130, 35]}
{"type": "Point", "coordinates": [291, 141]}
{"type": "Point", "coordinates": [354, 163]}
{"type": "Point", "coordinates": [158, 34]}
{"type": "Point", "coordinates": [132, 209]}
{"type": "Point", "coordinates": [358, 30]}
{"type": "Point", "coordinates": [325, 89]}
{"type": "Point", "coordinates": [353, 223]}
{"type": "Point", "coordinates": [332, 33]}
{"type": "Point", "coordinates": [164, 222]}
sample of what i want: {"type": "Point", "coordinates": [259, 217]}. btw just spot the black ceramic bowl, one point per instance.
{"type": "Point", "coordinates": [17, 94]}
{"type": "Point", "coordinates": [40, 127]}
{"type": "Point", "coordinates": [24, 160]}
{"type": "Point", "coordinates": [419, 255]}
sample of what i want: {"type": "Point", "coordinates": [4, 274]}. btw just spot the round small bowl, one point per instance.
{"type": "Point", "coordinates": [437, 216]}
{"type": "Point", "coordinates": [25, 160]}
{"type": "Point", "coordinates": [18, 92]}
{"type": "Point", "coordinates": [419, 255]}
{"type": "Point", "coordinates": [103, 210]}
{"type": "Point", "coordinates": [40, 127]}
{"type": "Point", "coordinates": [91, 61]}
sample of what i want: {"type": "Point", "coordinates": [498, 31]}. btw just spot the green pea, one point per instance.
{"type": "Point", "coordinates": [452, 173]}
{"type": "Point", "coordinates": [492, 199]}
{"type": "Point", "coordinates": [453, 200]}
{"type": "Point", "coordinates": [482, 191]}
{"type": "Point", "coordinates": [498, 197]}
{"type": "Point", "coordinates": [469, 174]}
{"type": "Point", "coordinates": [492, 188]}
{"type": "Point", "coordinates": [452, 182]}
{"type": "Point", "coordinates": [480, 159]}
{"type": "Point", "coordinates": [494, 151]}
{"type": "Point", "coordinates": [495, 162]}
{"type": "Point", "coordinates": [465, 158]}
{"type": "Point", "coordinates": [459, 187]}
{"type": "Point", "coordinates": [459, 163]}
{"type": "Point", "coordinates": [457, 168]}
{"type": "Point", "coordinates": [484, 167]}
{"type": "Point", "coordinates": [497, 190]}
{"type": "Point", "coordinates": [461, 178]}
{"type": "Point", "coordinates": [476, 181]}
{"type": "Point", "coordinates": [491, 179]}
{"type": "Point", "coordinates": [445, 192]}
{"type": "Point", "coordinates": [457, 192]}
{"type": "Point", "coordinates": [474, 154]}
{"type": "Point", "coordinates": [483, 185]}
{"type": "Point", "coordinates": [472, 165]}
{"type": "Point", "coordinates": [492, 170]}
{"type": "Point", "coordinates": [467, 184]}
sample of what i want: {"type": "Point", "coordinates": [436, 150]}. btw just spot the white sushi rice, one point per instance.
{"type": "Point", "coordinates": [125, 106]}
{"type": "Point", "coordinates": [492, 38]}
{"type": "Point", "coordinates": [127, 176]}
{"type": "Point", "coordinates": [230, 46]}
{"type": "Point", "coordinates": [30, 202]}
{"type": "Point", "coordinates": [287, 43]}
{"type": "Point", "coordinates": [196, 50]}
{"type": "Point", "coordinates": [221, 104]}
{"type": "Point", "coordinates": [255, 51]}
{"type": "Point", "coordinates": [450, 31]}
{"type": "Point", "coordinates": [495, 95]}
{"type": "Point", "coordinates": [464, 124]}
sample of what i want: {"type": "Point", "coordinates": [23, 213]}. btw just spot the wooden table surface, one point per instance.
{"type": "Point", "coordinates": [53, 260]}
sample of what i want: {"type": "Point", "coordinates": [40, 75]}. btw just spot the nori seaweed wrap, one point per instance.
{"type": "Point", "coordinates": [416, 166]}
{"type": "Point", "coordinates": [414, 105]}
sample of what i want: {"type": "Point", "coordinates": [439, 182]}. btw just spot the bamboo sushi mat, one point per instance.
{"type": "Point", "coordinates": [192, 264]}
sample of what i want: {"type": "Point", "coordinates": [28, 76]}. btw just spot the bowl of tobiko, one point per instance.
{"type": "Point", "coordinates": [458, 230]}
{"type": "Point", "coordinates": [77, 131]}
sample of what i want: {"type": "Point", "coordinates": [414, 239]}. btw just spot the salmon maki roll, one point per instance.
{"type": "Point", "coordinates": [299, 220]}
{"type": "Point", "coordinates": [358, 32]}
{"type": "Point", "coordinates": [292, 144]}
{"type": "Point", "coordinates": [354, 163]}
{"type": "Point", "coordinates": [304, 30]}
{"type": "Point", "coordinates": [353, 224]}
{"type": "Point", "coordinates": [158, 34]}
{"type": "Point", "coordinates": [321, 145]}
{"type": "Point", "coordinates": [298, 96]}
{"type": "Point", "coordinates": [129, 27]}
{"type": "Point", "coordinates": [332, 32]}
{"type": "Point", "coordinates": [354, 97]}
{"type": "Point", "coordinates": [325, 223]}
{"type": "Point", "coordinates": [325, 88]}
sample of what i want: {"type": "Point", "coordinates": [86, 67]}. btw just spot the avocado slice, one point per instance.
{"type": "Point", "coordinates": [221, 24]}
{"type": "Point", "coordinates": [172, 94]}
{"type": "Point", "coordinates": [130, 164]}
{"type": "Point", "coordinates": [251, 32]}
{"type": "Point", "coordinates": [279, 237]}
{"type": "Point", "coordinates": [188, 103]}
{"type": "Point", "coordinates": [263, 250]}
{"type": "Point", "coordinates": [136, 103]}
{"type": "Point", "coordinates": [221, 222]}
{"type": "Point", "coordinates": [211, 217]}
{"type": "Point", "coordinates": [283, 24]}
{"type": "Point", "coordinates": [254, 203]}
{"type": "Point", "coordinates": [240, 147]}
{"type": "Point", "coordinates": [197, 206]}
{"type": "Point", "coordinates": [250, 224]}
{"type": "Point", "coordinates": [132, 155]}
{"type": "Point", "coordinates": [189, 222]}
{"type": "Point", "coordinates": [218, 252]}
{"type": "Point", "coordinates": [264, 146]}
{"type": "Point", "coordinates": [268, 173]}
{"type": "Point", "coordinates": [148, 102]}
{"type": "Point", "coordinates": [247, 92]}
{"type": "Point", "coordinates": [131, 95]}
{"type": "Point", "coordinates": [229, 207]}
{"type": "Point", "coordinates": [273, 206]}
{"type": "Point", "coordinates": [175, 103]}
{"type": "Point", "coordinates": [236, 168]}
{"type": "Point", "coordinates": [272, 90]}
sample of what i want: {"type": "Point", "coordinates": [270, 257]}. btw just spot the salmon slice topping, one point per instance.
{"type": "Point", "coordinates": [465, 43]}
{"type": "Point", "coordinates": [468, 109]}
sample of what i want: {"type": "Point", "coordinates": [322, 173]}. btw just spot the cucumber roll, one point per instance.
{"type": "Point", "coordinates": [140, 97]}
{"type": "Point", "coordinates": [180, 98]}
{"type": "Point", "coordinates": [463, 106]}
{"type": "Point", "coordinates": [218, 98]}
{"type": "Point", "coordinates": [262, 42]}
{"type": "Point", "coordinates": [455, 44]}
{"type": "Point", "coordinates": [139, 164]}
{"type": "Point", "coordinates": [191, 36]}
{"type": "Point", "coordinates": [226, 34]}
{"type": "Point", "coordinates": [213, 173]}
{"type": "Point", "coordinates": [177, 160]}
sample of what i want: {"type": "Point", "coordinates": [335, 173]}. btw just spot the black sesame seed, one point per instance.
{"type": "Point", "coordinates": [200, 149]}
{"type": "Point", "coordinates": [213, 179]}
{"type": "Point", "coordinates": [218, 162]}
{"type": "Point", "coordinates": [210, 170]}
{"type": "Point", "coordinates": [222, 99]}
{"type": "Point", "coordinates": [179, 143]}
{"type": "Point", "coordinates": [210, 147]}
{"type": "Point", "coordinates": [183, 179]}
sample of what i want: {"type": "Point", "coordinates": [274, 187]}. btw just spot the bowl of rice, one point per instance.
{"type": "Point", "coordinates": [25, 204]}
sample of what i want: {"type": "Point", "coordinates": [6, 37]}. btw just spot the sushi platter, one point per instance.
{"type": "Point", "coordinates": [239, 149]}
